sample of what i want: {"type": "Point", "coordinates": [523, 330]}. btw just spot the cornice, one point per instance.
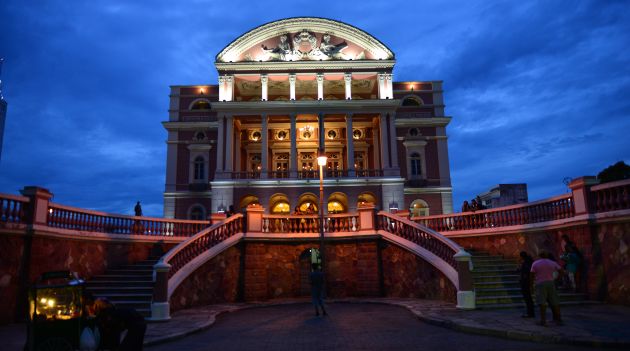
{"type": "Point", "coordinates": [309, 106]}
{"type": "Point", "coordinates": [176, 125]}
{"type": "Point", "coordinates": [277, 66]}
{"type": "Point", "coordinates": [423, 122]}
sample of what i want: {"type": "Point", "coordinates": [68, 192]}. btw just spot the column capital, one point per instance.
{"type": "Point", "coordinates": [320, 77]}
{"type": "Point", "coordinates": [347, 77]}
{"type": "Point", "coordinates": [264, 78]}
{"type": "Point", "coordinates": [292, 77]}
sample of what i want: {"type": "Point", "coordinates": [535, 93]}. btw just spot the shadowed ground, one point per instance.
{"type": "Point", "coordinates": [349, 327]}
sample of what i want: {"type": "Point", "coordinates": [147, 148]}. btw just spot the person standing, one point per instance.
{"type": "Point", "coordinates": [526, 283]}
{"type": "Point", "coordinates": [316, 278]}
{"type": "Point", "coordinates": [138, 209]}
{"type": "Point", "coordinates": [542, 272]}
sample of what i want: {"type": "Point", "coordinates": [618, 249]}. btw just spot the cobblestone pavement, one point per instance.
{"type": "Point", "coordinates": [349, 326]}
{"type": "Point", "coordinates": [597, 325]}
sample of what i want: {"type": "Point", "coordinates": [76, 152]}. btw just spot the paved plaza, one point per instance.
{"type": "Point", "coordinates": [375, 324]}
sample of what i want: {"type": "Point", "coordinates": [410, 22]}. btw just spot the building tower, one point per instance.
{"type": "Point", "coordinates": [284, 90]}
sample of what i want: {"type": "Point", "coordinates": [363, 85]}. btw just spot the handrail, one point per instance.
{"type": "Point", "coordinates": [68, 217]}
{"type": "Point", "coordinates": [342, 222]}
{"type": "Point", "coordinates": [12, 208]}
{"type": "Point", "coordinates": [192, 247]}
{"type": "Point", "coordinates": [429, 239]}
{"type": "Point", "coordinates": [558, 207]}
{"type": "Point", "coordinates": [611, 196]}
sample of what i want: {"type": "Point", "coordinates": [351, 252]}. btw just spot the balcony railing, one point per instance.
{"type": "Point", "coordinates": [555, 208]}
{"type": "Point", "coordinates": [66, 217]}
{"type": "Point", "coordinates": [310, 174]}
{"type": "Point", "coordinates": [611, 196]}
{"type": "Point", "coordinates": [333, 223]}
{"type": "Point", "coordinates": [12, 208]}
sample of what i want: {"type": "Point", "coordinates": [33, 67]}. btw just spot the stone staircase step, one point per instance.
{"type": "Point", "coordinates": [497, 292]}
{"type": "Point", "coordinates": [118, 296]}
{"type": "Point", "coordinates": [497, 284]}
{"type": "Point", "coordinates": [130, 271]}
{"type": "Point", "coordinates": [118, 283]}
{"type": "Point", "coordinates": [522, 305]}
{"type": "Point", "coordinates": [119, 289]}
{"type": "Point", "coordinates": [127, 278]}
{"type": "Point", "coordinates": [509, 271]}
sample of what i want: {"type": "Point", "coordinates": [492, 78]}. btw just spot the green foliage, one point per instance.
{"type": "Point", "coordinates": [618, 171]}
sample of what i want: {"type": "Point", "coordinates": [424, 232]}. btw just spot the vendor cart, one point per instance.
{"type": "Point", "coordinates": [56, 313]}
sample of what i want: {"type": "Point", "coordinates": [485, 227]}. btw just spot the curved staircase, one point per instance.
{"type": "Point", "coordinates": [496, 283]}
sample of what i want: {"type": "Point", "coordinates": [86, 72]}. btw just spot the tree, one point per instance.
{"type": "Point", "coordinates": [618, 171]}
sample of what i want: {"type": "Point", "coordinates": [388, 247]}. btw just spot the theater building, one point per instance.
{"type": "Point", "coordinates": [291, 90]}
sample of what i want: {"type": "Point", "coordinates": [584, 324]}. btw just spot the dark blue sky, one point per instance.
{"type": "Point", "coordinates": [538, 91]}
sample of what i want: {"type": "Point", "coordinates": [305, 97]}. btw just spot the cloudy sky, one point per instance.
{"type": "Point", "coordinates": [538, 91]}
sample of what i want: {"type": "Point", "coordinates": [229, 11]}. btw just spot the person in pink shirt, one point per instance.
{"type": "Point", "coordinates": [542, 272]}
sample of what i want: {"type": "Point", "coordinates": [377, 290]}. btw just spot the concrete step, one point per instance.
{"type": "Point", "coordinates": [497, 292]}
{"type": "Point", "coordinates": [521, 305]}
{"type": "Point", "coordinates": [518, 298]}
{"type": "Point", "coordinates": [120, 283]}
{"type": "Point", "coordinates": [139, 267]}
{"type": "Point", "coordinates": [124, 277]}
{"type": "Point", "coordinates": [497, 284]}
{"type": "Point", "coordinates": [505, 266]}
{"type": "Point", "coordinates": [494, 270]}
{"type": "Point", "coordinates": [103, 290]}
{"type": "Point", "coordinates": [124, 296]}
{"type": "Point", "coordinates": [485, 278]}
{"type": "Point", "coordinates": [130, 271]}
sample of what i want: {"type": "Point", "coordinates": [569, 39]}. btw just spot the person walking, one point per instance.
{"type": "Point", "coordinates": [526, 283]}
{"type": "Point", "coordinates": [542, 272]}
{"type": "Point", "coordinates": [316, 278]}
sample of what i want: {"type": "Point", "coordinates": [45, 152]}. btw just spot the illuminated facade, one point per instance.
{"type": "Point", "coordinates": [285, 89]}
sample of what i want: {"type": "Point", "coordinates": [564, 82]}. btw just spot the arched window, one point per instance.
{"type": "Point", "coordinates": [199, 172]}
{"type": "Point", "coordinates": [200, 105]}
{"type": "Point", "coordinates": [197, 213]}
{"type": "Point", "coordinates": [412, 101]}
{"type": "Point", "coordinates": [416, 168]}
{"type": "Point", "coordinates": [418, 208]}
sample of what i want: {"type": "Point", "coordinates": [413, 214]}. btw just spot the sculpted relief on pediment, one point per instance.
{"type": "Point", "coordinates": [305, 45]}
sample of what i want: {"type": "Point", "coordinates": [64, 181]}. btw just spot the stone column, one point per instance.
{"type": "Point", "coordinates": [320, 87]}
{"type": "Point", "coordinates": [393, 142]}
{"type": "Point", "coordinates": [349, 146]}
{"type": "Point", "coordinates": [229, 144]}
{"type": "Point", "coordinates": [581, 189]}
{"type": "Point", "coordinates": [222, 88]}
{"type": "Point", "coordinates": [264, 147]}
{"type": "Point", "coordinates": [220, 147]}
{"type": "Point", "coordinates": [381, 86]}
{"type": "Point", "coordinates": [438, 99]}
{"type": "Point", "coordinates": [254, 219]}
{"type": "Point", "coordinates": [384, 141]}
{"type": "Point", "coordinates": [229, 91]}
{"type": "Point", "coordinates": [389, 86]}
{"type": "Point", "coordinates": [263, 80]}
{"type": "Point", "coordinates": [160, 307]}
{"type": "Point", "coordinates": [465, 292]}
{"type": "Point", "coordinates": [442, 148]}
{"type": "Point", "coordinates": [321, 132]}
{"type": "Point", "coordinates": [347, 77]}
{"type": "Point", "coordinates": [293, 167]}
{"type": "Point", "coordinates": [292, 78]}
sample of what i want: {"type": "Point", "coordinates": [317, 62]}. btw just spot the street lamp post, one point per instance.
{"type": "Point", "coordinates": [321, 161]}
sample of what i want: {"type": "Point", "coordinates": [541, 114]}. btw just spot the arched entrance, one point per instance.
{"type": "Point", "coordinates": [307, 258]}
{"type": "Point", "coordinates": [279, 204]}
{"type": "Point", "coordinates": [307, 204]}
{"type": "Point", "coordinates": [337, 203]}
{"type": "Point", "coordinates": [247, 200]}
{"type": "Point", "coordinates": [366, 198]}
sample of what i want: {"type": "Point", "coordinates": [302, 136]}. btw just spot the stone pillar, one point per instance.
{"type": "Point", "coordinates": [581, 188]}
{"type": "Point", "coordinates": [292, 78]}
{"type": "Point", "coordinates": [393, 142]}
{"type": "Point", "coordinates": [264, 147]}
{"type": "Point", "coordinates": [384, 141]}
{"type": "Point", "coordinates": [220, 147]}
{"type": "Point", "coordinates": [320, 87]}
{"type": "Point", "coordinates": [366, 216]}
{"type": "Point", "coordinates": [254, 219]}
{"type": "Point", "coordinates": [222, 89]}
{"type": "Point", "coordinates": [347, 77]}
{"type": "Point", "coordinates": [442, 148]}
{"type": "Point", "coordinates": [230, 88]}
{"type": "Point", "coordinates": [217, 218]}
{"type": "Point", "coordinates": [350, 145]}
{"type": "Point", "coordinates": [160, 307]}
{"type": "Point", "coordinates": [321, 141]}
{"type": "Point", "coordinates": [263, 80]}
{"type": "Point", "coordinates": [438, 99]}
{"type": "Point", "coordinates": [377, 145]}
{"type": "Point", "coordinates": [293, 167]}
{"type": "Point", "coordinates": [465, 292]}
{"type": "Point", "coordinates": [229, 144]}
{"type": "Point", "coordinates": [37, 208]}
{"type": "Point", "coordinates": [381, 86]}
{"type": "Point", "coordinates": [389, 86]}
